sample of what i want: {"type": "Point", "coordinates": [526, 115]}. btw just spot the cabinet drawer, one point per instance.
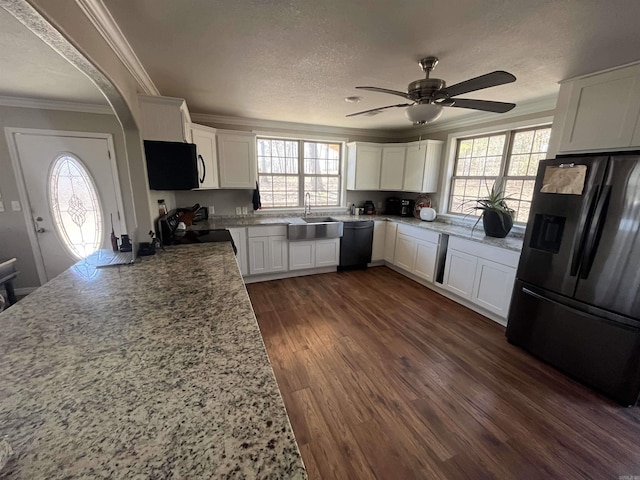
{"type": "Point", "coordinates": [419, 233]}
{"type": "Point", "coordinates": [267, 231]}
{"type": "Point", "coordinates": [496, 254]}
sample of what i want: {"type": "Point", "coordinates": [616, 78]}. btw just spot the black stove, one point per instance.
{"type": "Point", "coordinates": [170, 235]}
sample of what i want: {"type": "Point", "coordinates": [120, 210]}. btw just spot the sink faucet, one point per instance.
{"type": "Point", "coordinates": [307, 204]}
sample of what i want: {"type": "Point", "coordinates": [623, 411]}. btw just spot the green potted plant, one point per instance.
{"type": "Point", "coordinates": [497, 217]}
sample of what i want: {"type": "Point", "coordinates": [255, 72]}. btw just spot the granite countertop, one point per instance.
{"type": "Point", "coordinates": [154, 370]}
{"type": "Point", "coordinates": [511, 242]}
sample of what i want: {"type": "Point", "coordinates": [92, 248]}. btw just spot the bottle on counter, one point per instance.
{"type": "Point", "coordinates": [162, 208]}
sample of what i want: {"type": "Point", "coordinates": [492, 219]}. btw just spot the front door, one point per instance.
{"type": "Point", "coordinates": [73, 195]}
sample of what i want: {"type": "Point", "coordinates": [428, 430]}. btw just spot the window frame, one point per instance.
{"type": "Point", "coordinates": [453, 148]}
{"type": "Point", "coordinates": [301, 140]}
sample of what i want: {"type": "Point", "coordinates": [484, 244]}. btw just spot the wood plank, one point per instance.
{"type": "Point", "coordinates": [384, 378]}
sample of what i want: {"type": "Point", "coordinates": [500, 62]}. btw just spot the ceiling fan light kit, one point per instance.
{"type": "Point", "coordinates": [422, 113]}
{"type": "Point", "coordinates": [430, 95]}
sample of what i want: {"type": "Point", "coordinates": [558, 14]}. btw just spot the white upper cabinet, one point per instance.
{"type": "Point", "coordinates": [164, 118]}
{"type": "Point", "coordinates": [363, 166]}
{"type": "Point", "coordinates": [422, 166]}
{"type": "Point", "coordinates": [599, 112]}
{"type": "Point", "coordinates": [237, 159]}
{"type": "Point", "coordinates": [205, 140]}
{"type": "Point", "coordinates": [409, 167]}
{"type": "Point", "coordinates": [392, 170]}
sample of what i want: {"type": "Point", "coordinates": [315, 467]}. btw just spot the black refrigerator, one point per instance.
{"type": "Point", "coordinates": [576, 300]}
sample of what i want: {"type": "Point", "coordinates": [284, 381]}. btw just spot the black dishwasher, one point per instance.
{"type": "Point", "coordinates": [355, 247]}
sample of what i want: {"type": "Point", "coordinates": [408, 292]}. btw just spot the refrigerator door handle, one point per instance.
{"type": "Point", "coordinates": [595, 231]}
{"type": "Point", "coordinates": [578, 248]}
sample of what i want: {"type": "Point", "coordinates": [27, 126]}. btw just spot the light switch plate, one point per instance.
{"type": "Point", "coordinates": [15, 205]}
{"type": "Point", "coordinates": [244, 210]}
{"type": "Point", "coordinates": [238, 210]}
{"type": "Point", "coordinates": [1, 206]}
{"type": "Point", "coordinates": [212, 210]}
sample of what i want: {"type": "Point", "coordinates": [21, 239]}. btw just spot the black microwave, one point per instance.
{"type": "Point", "coordinates": [171, 165]}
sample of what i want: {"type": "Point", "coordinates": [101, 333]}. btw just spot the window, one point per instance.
{"type": "Point", "coordinates": [508, 159]}
{"type": "Point", "coordinates": [289, 169]}
{"type": "Point", "coordinates": [74, 204]}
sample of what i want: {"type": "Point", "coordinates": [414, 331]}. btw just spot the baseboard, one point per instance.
{"type": "Point", "coordinates": [25, 290]}
{"type": "Point", "coordinates": [451, 296]}
{"type": "Point", "coordinates": [291, 273]}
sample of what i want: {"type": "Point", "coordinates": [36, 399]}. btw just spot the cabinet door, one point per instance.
{"type": "Point", "coordinates": [391, 229]}
{"type": "Point", "coordinates": [302, 255]}
{"type": "Point", "coordinates": [237, 160]}
{"type": "Point", "coordinates": [258, 255]}
{"type": "Point", "coordinates": [602, 111]}
{"type": "Point", "coordinates": [405, 256]}
{"type": "Point", "coordinates": [163, 118]}
{"type": "Point", "coordinates": [414, 168]}
{"type": "Point", "coordinates": [239, 236]}
{"type": "Point", "coordinates": [378, 247]}
{"type": "Point", "coordinates": [205, 140]}
{"type": "Point", "coordinates": [327, 252]}
{"type": "Point", "coordinates": [364, 166]}
{"type": "Point", "coordinates": [392, 170]}
{"type": "Point", "coordinates": [278, 254]}
{"type": "Point", "coordinates": [459, 272]}
{"type": "Point", "coordinates": [425, 264]}
{"type": "Point", "coordinates": [422, 166]}
{"type": "Point", "coordinates": [493, 286]}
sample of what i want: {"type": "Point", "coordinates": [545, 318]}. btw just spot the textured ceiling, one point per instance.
{"type": "Point", "coordinates": [296, 60]}
{"type": "Point", "coordinates": [30, 68]}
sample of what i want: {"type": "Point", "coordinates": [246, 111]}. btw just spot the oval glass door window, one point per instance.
{"type": "Point", "coordinates": [76, 211]}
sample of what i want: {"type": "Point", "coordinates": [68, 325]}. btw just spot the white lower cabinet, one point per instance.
{"type": "Point", "coordinates": [391, 230]}
{"type": "Point", "coordinates": [460, 272]}
{"type": "Point", "coordinates": [328, 252]}
{"type": "Point", "coordinates": [239, 236]}
{"type": "Point", "coordinates": [314, 254]}
{"type": "Point", "coordinates": [493, 285]}
{"type": "Point", "coordinates": [416, 251]}
{"type": "Point", "coordinates": [379, 235]}
{"type": "Point", "coordinates": [426, 257]}
{"type": "Point", "coordinates": [268, 249]}
{"type": "Point", "coordinates": [481, 273]}
{"type": "Point", "coordinates": [302, 255]}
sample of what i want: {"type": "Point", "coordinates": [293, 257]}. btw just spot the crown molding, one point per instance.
{"type": "Point", "coordinates": [258, 124]}
{"type": "Point", "coordinates": [101, 18]}
{"type": "Point", "coordinates": [23, 102]}
{"type": "Point", "coordinates": [543, 104]}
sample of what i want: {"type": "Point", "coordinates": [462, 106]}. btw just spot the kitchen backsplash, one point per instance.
{"type": "Point", "coordinates": [226, 201]}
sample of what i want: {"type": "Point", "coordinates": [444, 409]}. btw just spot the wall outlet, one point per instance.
{"type": "Point", "coordinates": [1, 206]}
{"type": "Point", "coordinates": [15, 205]}
{"type": "Point", "coordinates": [212, 210]}
{"type": "Point", "coordinates": [379, 206]}
{"type": "Point", "coordinates": [244, 210]}
{"type": "Point", "coordinates": [238, 210]}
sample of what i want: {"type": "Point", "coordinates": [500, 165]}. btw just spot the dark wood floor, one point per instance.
{"type": "Point", "coordinates": [383, 378]}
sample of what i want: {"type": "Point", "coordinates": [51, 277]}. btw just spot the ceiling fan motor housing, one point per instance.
{"type": "Point", "coordinates": [426, 89]}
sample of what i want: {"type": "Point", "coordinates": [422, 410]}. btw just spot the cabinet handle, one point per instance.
{"type": "Point", "coordinates": [204, 169]}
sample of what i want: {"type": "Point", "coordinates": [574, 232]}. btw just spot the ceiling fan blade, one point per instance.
{"type": "Point", "coordinates": [379, 109]}
{"type": "Point", "coordinates": [386, 90]}
{"type": "Point", "coordinates": [484, 81]}
{"type": "Point", "coordinates": [486, 105]}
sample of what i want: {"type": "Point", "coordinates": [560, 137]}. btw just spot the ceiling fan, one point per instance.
{"type": "Point", "coordinates": [429, 95]}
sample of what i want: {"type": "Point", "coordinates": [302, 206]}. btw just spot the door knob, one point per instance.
{"type": "Point", "coordinates": [40, 230]}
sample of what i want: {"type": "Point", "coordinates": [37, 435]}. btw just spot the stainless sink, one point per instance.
{"type": "Point", "coordinates": [314, 228]}
{"type": "Point", "coordinates": [320, 220]}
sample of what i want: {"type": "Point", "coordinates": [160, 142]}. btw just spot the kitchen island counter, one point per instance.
{"type": "Point", "coordinates": [154, 370]}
